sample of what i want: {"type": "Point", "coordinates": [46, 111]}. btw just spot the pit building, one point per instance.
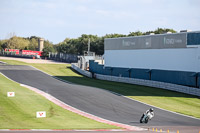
{"type": "Point", "coordinates": [172, 58]}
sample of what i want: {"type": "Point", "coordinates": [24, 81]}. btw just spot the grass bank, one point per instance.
{"type": "Point", "coordinates": [19, 112]}
{"type": "Point", "coordinates": [169, 100]}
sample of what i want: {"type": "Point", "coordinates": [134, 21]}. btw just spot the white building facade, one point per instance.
{"type": "Point", "coordinates": [178, 52]}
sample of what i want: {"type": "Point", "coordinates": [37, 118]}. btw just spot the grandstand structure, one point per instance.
{"type": "Point", "coordinates": [172, 58]}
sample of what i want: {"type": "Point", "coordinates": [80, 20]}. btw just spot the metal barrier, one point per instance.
{"type": "Point", "coordinates": [83, 72]}
{"type": "Point", "coordinates": [69, 58]}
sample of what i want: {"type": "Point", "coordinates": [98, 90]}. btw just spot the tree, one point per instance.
{"type": "Point", "coordinates": [33, 45]}
{"type": "Point", "coordinates": [72, 46]}
{"type": "Point", "coordinates": [17, 43]}
{"type": "Point", "coordinates": [98, 46]}
{"type": "Point", "coordinates": [48, 47]}
{"type": "Point", "coordinates": [137, 33]}
{"type": "Point", "coordinates": [29, 43]}
{"type": "Point", "coordinates": [162, 31]}
{"type": "Point", "coordinates": [114, 35]}
{"type": "Point", "coordinates": [3, 44]}
{"type": "Point", "coordinates": [46, 50]}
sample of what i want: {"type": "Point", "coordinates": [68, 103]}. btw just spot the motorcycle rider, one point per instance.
{"type": "Point", "coordinates": [148, 111]}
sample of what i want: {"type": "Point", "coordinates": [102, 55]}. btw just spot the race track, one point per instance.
{"type": "Point", "coordinates": [95, 101]}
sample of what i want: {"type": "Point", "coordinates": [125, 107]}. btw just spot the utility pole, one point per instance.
{"type": "Point", "coordinates": [88, 46]}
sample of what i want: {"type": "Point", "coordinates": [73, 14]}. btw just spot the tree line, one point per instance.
{"type": "Point", "coordinates": [29, 43]}
{"type": "Point", "coordinates": [71, 46]}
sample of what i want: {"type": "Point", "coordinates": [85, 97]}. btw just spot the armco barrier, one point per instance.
{"type": "Point", "coordinates": [70, 58]}
{"type": "Point", "coordinates": [150, 83]}
{"type": "Point", "coordinates": [83, 72]}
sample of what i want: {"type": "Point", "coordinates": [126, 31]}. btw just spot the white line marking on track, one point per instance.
{"type": "Point", "coordinates": [158, 107]}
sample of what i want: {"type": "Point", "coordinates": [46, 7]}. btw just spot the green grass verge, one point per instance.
{"type": "Point", "coordinates": [19, 112]}
{"type": "Point", "coordinates": [169, 100]}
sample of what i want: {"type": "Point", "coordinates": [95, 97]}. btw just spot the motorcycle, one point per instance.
{"type": "Point", "coordinates": [146, 117]}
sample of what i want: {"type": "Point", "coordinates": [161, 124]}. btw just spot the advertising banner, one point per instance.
{"type": "Point", "coordinates": [147, 42]}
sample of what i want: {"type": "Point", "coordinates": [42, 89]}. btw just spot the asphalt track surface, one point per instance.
{"type": "Point", "coordinates": [95, 101]}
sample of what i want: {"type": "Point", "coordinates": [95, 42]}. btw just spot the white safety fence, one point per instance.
{"type": "Point", "coordinates": [150, 83]}
{"type": "Point", "coordinates": [83, 72]}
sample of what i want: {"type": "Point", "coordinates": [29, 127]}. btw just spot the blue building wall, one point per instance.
{"type": "Point", "coordinates": [92, 66]}
{"type": "Point", "coordinates": [175, 77]}
{"type": "Point", "coordinates": [140, 73]}
{"type": "Point", "coordinates": [198, 79]}
{"type": "Point", "coordinates": [193, 38]}
{"type": "Point", "coordinates": [121, 72]}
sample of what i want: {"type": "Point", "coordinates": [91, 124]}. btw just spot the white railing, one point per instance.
{"type": "Point", "coordinates": [83, 72]}
{"type": "Point", "coordinates": [150, 83]}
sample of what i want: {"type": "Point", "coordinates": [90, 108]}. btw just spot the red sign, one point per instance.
{"type": "Point", "coordinates": [24, 52]}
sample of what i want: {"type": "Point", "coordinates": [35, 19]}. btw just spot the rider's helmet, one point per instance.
{"type": "Point", "coordinates": [151, 109]}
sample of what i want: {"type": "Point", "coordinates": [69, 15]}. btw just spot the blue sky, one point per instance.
{"type": "Point", "coordinates": [56, 20]}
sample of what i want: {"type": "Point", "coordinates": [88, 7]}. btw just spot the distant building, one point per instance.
{"type": "Point", "coordinates": [171, 57]}
{"type": "Point", "coordinates": [40, 44]}
{"type": "Point", "coordinates": [177, 51]}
